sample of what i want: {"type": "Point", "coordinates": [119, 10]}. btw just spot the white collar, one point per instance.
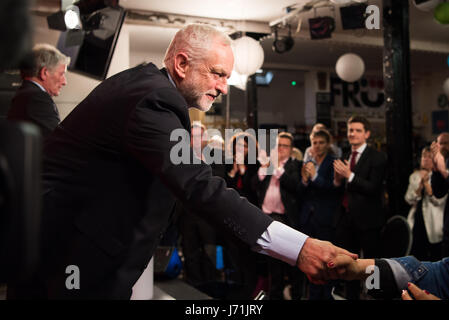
{"type": "Point", "coordinates": [38, 84]}
{"type": "Point", "coordinates": [361, 149]}
{"type": "Point", "coordinates": [171, 79]}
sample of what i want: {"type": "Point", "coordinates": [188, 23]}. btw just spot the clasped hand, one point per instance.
{"type": "Point", "coordinates": [314, 258]}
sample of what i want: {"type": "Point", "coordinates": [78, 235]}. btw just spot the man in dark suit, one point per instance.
{"type": "Point", "coordinates": [361, 178]}
{"type": "Point", "coordinates": [440, 182]}
{"type": "Point", "coordinates": [277, 194]}
{"type": "Point", "coordinates": [33, 101]}
{"type": "Point", "coordinates": [111, 179]}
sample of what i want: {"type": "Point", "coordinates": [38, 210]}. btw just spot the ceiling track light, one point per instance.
{"type": "Point", "coordinates": [72, 18]}
{"type": "Point", "coordinates": [282, 44]}
{"type": "Point", "coordinates": [64, 20]}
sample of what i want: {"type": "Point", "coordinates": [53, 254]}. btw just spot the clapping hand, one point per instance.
{"type": "Point", "coordinates": [307, 171]}
{"type": "Point", "coordinates": [438, 159]}
{"type": "Point", "coordinates": [342, 168]}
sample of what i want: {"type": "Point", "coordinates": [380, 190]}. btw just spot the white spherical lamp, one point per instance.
{"type": "Point", "coordinates": [446, 87]}
{"type": "Point", "coordinates": [350, 67]}
{"type": "Point", "coordinates": [248, 55]}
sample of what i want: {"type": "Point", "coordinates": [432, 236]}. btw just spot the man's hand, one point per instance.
{"type": "Point", "coordinates": [338, 178]}
{"type": "Point", "coordinates": [314, 258]}
{"type": "Point", "coordinates": [417, 293]}
{"type": "Point", "coordinates": [440, 164]}
{"type": "Point", "coordinates": [304, 174]}
{"type": "Point", "coordinates": [310, 169]}
{"type": "Point", "coordinates": [434, 149]}
{"type": "Point", "coordinates": [342, 168]}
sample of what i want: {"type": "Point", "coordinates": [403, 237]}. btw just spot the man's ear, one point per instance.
{"type": "Point", "coordinates": [43, 73]}
{"type": "Point", "coordinates": [181, 65]}
{"type": "Point", "coordinates": [367, 134]}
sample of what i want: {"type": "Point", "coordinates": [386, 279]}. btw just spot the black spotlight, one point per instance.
{"type": "Point", "coordinates": [56, 21]}
{"type": "Point", "coordinates": [282, 44]}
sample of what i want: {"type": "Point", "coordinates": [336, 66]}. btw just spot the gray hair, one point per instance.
{"type": "Point", "coordinates": [195, 40]}
{"type": "Point", "coordinates": [44, 55]}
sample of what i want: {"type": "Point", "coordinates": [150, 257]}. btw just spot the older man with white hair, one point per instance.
{"type": "Point", "coordinates": [110, 185]}
{"type": "Point", "coordinates": [41, 81]}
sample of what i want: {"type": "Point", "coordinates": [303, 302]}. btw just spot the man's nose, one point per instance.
{"type": "Point", "coordinates": [222, 86]}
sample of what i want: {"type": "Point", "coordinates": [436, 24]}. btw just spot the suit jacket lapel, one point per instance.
{"type": "Point", "coordinates": [362, 159]}
{"type": "Point", "coordinates": [186, 123]}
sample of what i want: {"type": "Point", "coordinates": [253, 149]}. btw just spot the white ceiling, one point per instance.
{"type": "Point", "coordinates": [251, 10]}
{"type": "Point", "coordinates": [422, 24]}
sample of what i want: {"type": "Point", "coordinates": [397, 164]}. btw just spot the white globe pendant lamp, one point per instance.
{"type": "Point", "coordinates": [350, 67]}
{"type": "Point", "coordinates": [248, 55]}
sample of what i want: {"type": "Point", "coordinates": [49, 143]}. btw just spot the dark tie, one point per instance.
{"type": "Point", "coordinates": [353, 158]}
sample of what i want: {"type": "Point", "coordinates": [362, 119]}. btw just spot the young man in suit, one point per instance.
{"type": "Point", "coordinates": [110, 180]}
{"type": "Point", "coordinates": [33, 101]}
{"type": "Point", "coordinates": [361, 177]}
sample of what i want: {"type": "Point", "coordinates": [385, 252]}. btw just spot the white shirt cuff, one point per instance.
{"type": "Point", "coordinates": [281, 242]}
{"type": "Point", "coordinates": [351, 177]}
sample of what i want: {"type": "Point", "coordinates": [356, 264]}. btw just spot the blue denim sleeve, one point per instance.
{"type": "Point", "coordinates": [430, 276]}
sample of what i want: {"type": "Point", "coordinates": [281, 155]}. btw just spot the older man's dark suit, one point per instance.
{"type": "Point", "coordinates": [110, 186]}
{"type": "Point", "coordinates": [34, 105]}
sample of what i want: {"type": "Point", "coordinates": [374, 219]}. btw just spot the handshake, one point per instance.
{"type": "Point", "coordinates": [322, 261]}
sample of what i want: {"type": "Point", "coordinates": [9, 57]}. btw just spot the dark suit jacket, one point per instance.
{"type": "Point", "coordinates": [33, 105]}
{"type": "Point", "coordinates": [249, 182]}
{"type": "Point", "coordinates": [289, 185]}
{"type": "Point", "coordinates": [320, 198]}
{"type": "Point", "coordinates": [365, 191]}
{"type": "Point", "coordinates": [110, 185]}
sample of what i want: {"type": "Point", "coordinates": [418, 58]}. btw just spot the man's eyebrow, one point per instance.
{"type": "Point", "coordinates": [220, 71]}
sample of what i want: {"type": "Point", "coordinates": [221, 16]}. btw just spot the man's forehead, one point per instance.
{"type": "Point", "coordinates": [356, 125]}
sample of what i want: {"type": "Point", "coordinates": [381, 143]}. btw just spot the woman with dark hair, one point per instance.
{"type": "Point", "coordinates": [426, 214]}
{"type": "Point", "coordinates": [241, 262]}
{"type": "Point", "coordinates": [241, 174]}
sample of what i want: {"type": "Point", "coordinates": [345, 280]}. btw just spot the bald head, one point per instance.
{"type": "Point", "coordinates": [195, 40]}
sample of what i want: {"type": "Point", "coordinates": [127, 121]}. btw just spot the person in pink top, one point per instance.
{"type": "Point", "coordinates": [277, 194]}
